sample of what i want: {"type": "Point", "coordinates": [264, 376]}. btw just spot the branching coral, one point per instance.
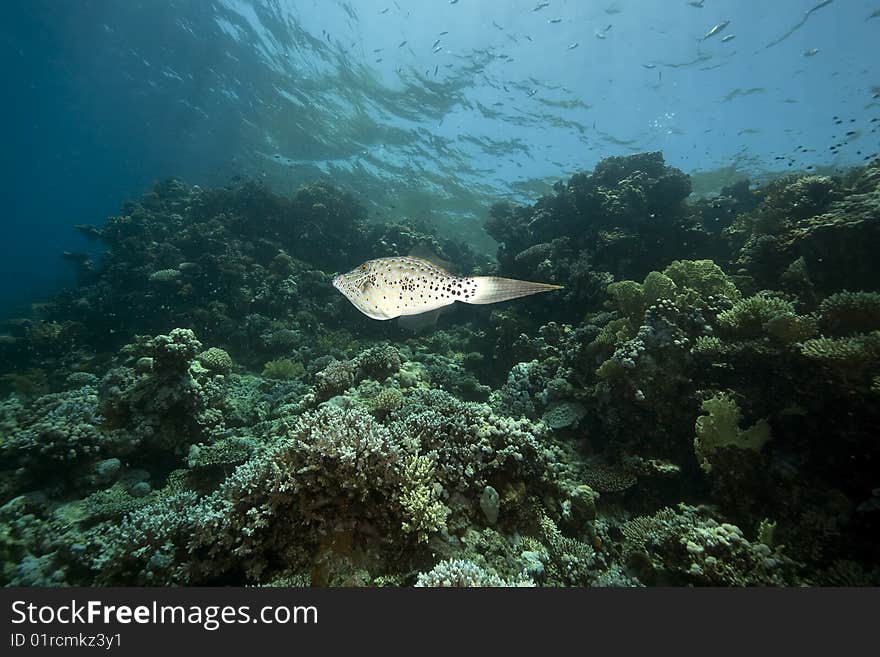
{"type": "Point", "coordinates": [703, 277]}
{"type": "Point", "coordinates": [766, 315]}
{"type": "Point", "coordinates": [848, 313]}
{"type": "Point", "coordinates": [849, 357]}
{"type": "Point", "coordinates": [424, 513]}
{"type": "Point", "coordinates": [687, 546]}
{"type": "Point", "coordinates": [459, 573]}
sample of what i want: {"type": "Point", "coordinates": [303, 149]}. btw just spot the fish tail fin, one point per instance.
{"type": "Point", "coordinates": [492, 289]}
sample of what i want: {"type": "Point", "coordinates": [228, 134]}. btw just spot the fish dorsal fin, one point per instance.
{"type": "Point", "coordinates": [425, 252]}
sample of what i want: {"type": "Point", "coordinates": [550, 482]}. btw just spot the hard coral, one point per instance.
{"type": "Point", "coordinates": [847, 313]}
{"type": "Point", "coordinates": [216, 360]}
{"type": "Point", "coordinates": [687, 545]}
{"type": "Point", "coordinates": [721, 428]}
{"type": "Point", "coordinates": [459, 573]}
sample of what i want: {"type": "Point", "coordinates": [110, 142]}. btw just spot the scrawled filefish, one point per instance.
{"type": "Point", "coordinates": [386, 288]}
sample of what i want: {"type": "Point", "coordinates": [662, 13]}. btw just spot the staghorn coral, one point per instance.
{"type": "Point", "coordinates": [333, 474]}
{"type": "Point", "coordinates": [469, 443]}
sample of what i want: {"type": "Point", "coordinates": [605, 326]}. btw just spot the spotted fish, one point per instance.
{"type": "Point", "coordinates": [386, 288]}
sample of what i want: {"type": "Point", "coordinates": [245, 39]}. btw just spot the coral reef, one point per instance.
{"type": "Point", "coordinates": [697, 407]}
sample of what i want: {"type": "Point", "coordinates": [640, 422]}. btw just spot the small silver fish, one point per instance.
{"type": "Point", "coordinates": [554, 20]}
{"type": "Point", "coordinates": [811, 52]}
{"type": "Point", "coordinates": [386, 288]}
{"type": "Point", "coordinates": [729, 37]}
{"type": "Point", "coordinates": [716, 29]}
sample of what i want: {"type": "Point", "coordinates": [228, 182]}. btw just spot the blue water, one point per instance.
{"type": "Point", "coordinates": [105, 97]}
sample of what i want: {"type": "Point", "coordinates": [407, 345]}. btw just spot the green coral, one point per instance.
{"type": "Point", "coordinates": [386, 400]}
{"type": "Point", "coordinates": [629, 297]}
{"type": "Point", "coordinates": [703, 277]}
{"type": "Point", "coordinates": [658, 286]}
{"type": "Point", "coordinates": [684, 282]}
{"type": "Point", "coordinates": [617, 330]}
{"type": "Point", "coordinates": [848, 313]}
{"type": "Point", "coordinates": [708, 345]}
{"type": "Point", "coordinates": [846, 356]}
{"type": "Point", "coordinates": [424, 513]}
{"type": "Point", "coordinates": [283, 368]}
{"type": "Point", "coordinates": [763, 314]}
{"type": "Point", "coordinates": [216, 360]}
{"type": "Point", "coordinates": [721, 428]}
{"type": "Point", "coordinates": [789, 329]}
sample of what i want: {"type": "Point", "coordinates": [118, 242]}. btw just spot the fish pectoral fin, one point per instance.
{"type": "Point", "coordinates": [493, 289]}
{"type": "Point", "coordinates": [421, 321]}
